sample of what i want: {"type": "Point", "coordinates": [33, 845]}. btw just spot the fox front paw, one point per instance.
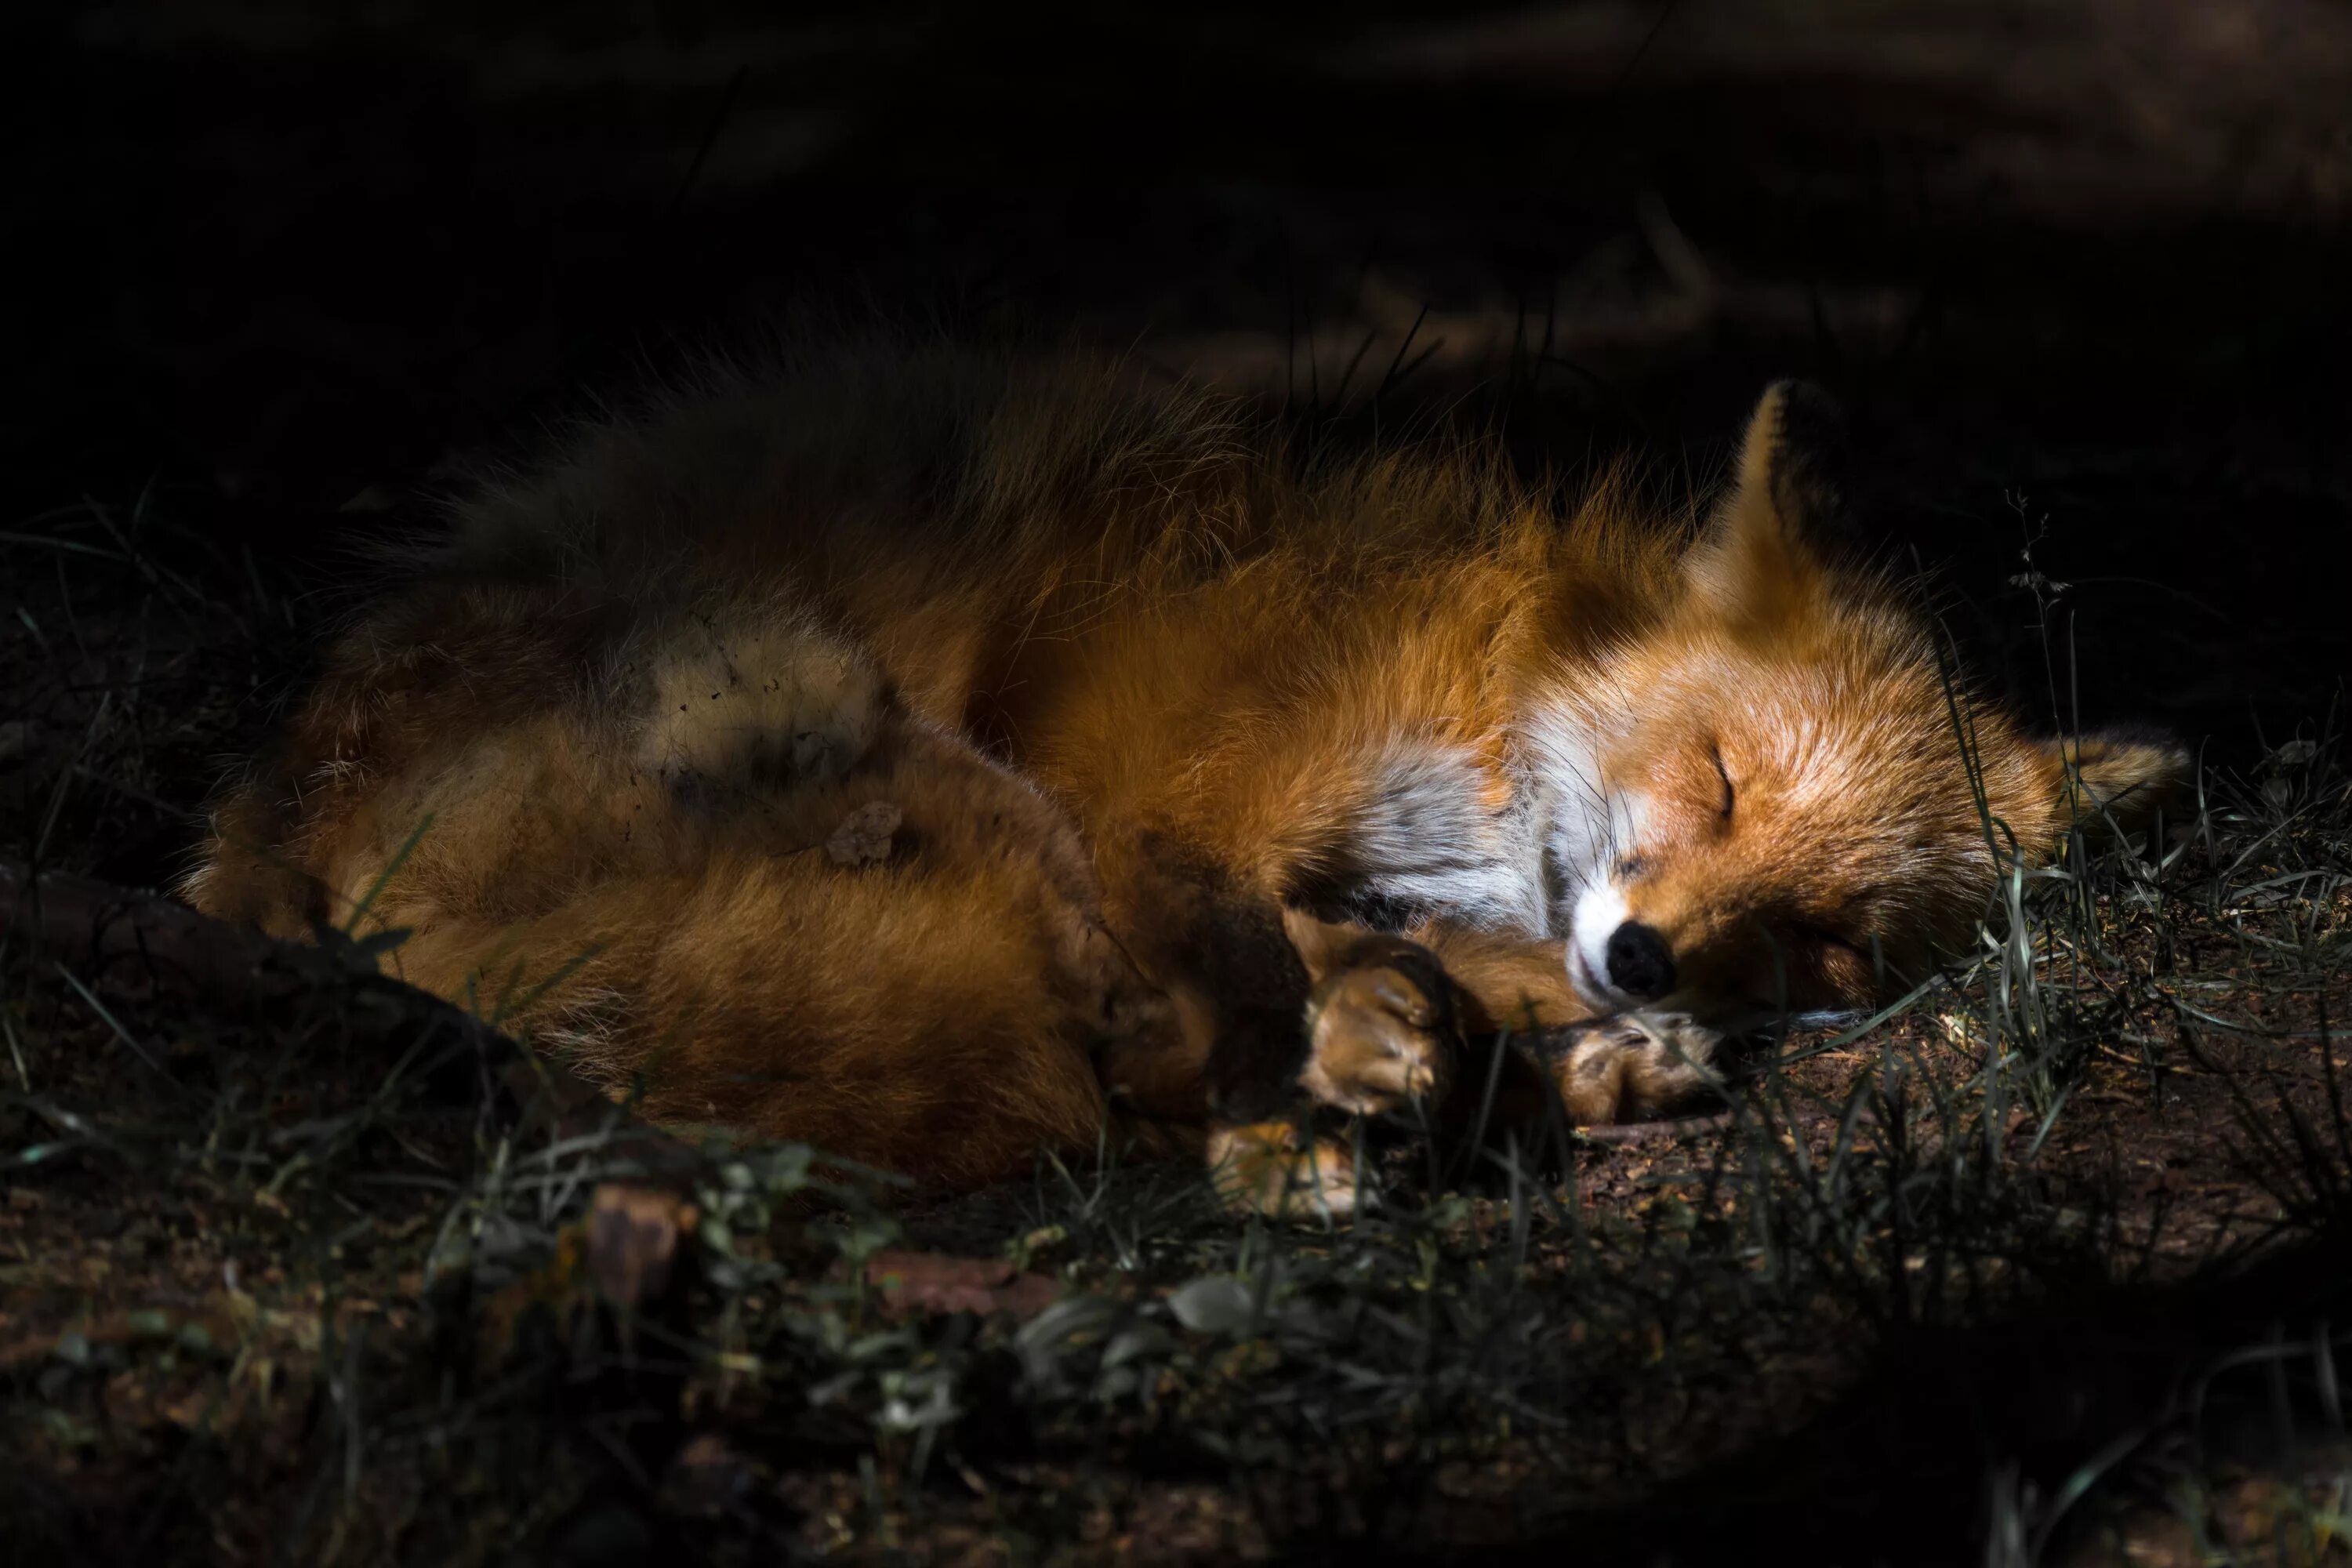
{"type": "Point", "coordinates": [1629, 1066]}
{"type": "Point", "coordinates": [1381, 1029]}
{"type": "Point", "coordinates": [1282, 1170]}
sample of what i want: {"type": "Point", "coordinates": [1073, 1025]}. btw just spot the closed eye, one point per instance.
{"type": "Point", "coordinates": [1725, 775]}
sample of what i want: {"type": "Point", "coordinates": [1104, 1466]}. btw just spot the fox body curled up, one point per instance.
{"type": "Point", "coordinates": [942, 758]}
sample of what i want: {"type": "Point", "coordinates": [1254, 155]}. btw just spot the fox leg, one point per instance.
{"type": "Point", "coordinates": [1509, 984]}
{"type": "Point", "coordinates": [1385, 1032]}
{"type": "Point", "coordinates": [1382, 1037]}
{"type": "Point", "coordinates": [1383, 1019]}
{"type": "Point", "coordinates": [1629, 1067]}
{"type": "Point", "coordinates": [1284, 1168]}
{"type": "Point", "coordinates": [1393, 1024]}
{"type": "Point", "coordinates": [1288, 1025]}
{"type": "Point", "coordinates": [1606, 1069]}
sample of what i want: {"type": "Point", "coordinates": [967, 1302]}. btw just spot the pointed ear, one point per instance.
{"type": "Point", "coordinates": [2118, 776]}
{"type": "Point", "coordinates": [1762, 558]}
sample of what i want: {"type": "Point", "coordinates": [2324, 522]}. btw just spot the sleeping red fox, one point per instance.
{"type": "Point", "coordinates": [940, 758]}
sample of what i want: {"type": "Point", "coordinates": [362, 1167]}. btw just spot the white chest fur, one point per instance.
{"type": "Point", "coordinates": [1428, 838]}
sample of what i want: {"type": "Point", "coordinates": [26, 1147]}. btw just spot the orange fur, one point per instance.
{"type": "Point", "coordinates": [1121, 680]}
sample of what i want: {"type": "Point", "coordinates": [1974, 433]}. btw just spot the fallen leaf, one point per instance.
{"type": "Point", "coordinates": [865, 835]}
{"type": "Point", "coordinates": [1212, 1304]}
{"type": "Point", "coordinates": [632, 1236]}
{"type": "Point", "coordinates": [930, 1282]}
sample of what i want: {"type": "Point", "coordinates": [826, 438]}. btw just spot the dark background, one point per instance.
{"type": "Point", "coordinates": [2077, 270]}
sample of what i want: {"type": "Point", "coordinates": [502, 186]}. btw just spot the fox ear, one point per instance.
{"type": "Point", "coordinates": [1761, 559]}
{"type": "Point", "coordinates": [2121, 776]}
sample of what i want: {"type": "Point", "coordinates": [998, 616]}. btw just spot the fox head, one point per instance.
{"type": "Point", "coordinates": [1801, 804]}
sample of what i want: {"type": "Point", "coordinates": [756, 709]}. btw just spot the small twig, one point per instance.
{"type": "Point", "coordinates": [1628, 1133]}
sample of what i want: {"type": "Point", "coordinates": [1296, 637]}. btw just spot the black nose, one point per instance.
{"type": "Point", "coordinates": [1639, 964]}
